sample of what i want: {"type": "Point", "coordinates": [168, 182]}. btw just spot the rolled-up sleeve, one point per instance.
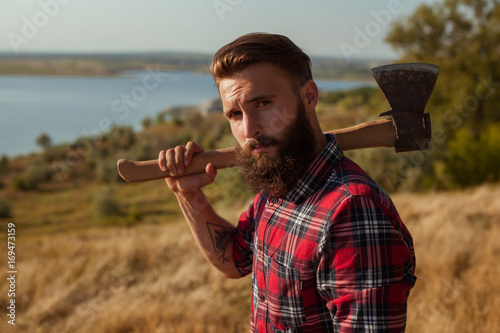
{"type": "Point", "coordinates": [366, 268]}
{"type": "Point", "coordinates": [244, 239]}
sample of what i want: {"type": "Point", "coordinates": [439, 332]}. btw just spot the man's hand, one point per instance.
{"type": "Point", "coordinates": [199, 214]}
{"type": "Point", "coordinates": [175, 160]}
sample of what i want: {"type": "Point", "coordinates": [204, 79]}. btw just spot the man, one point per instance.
{"type": "Point", "coordinates": [325, 244]}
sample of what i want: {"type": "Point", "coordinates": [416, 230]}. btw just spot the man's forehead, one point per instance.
{"type": "Point", "coordinates": [255, 80]}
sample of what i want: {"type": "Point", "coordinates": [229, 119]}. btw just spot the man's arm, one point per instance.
{"type": "Point", "coordinates": [212, 233]}
{"type": "Point", "coordinates": [367, 268]}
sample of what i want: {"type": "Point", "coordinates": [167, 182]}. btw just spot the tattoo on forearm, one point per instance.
{"type": "Point", "coordinates": [221, 238]}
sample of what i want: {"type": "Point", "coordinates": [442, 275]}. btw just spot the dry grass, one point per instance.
{"type": "Point", "coordinates": [151, 277]}
{"type": "Point", "coordinates": [456, 238]}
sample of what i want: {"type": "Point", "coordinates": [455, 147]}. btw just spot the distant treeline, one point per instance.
{"type": "Point", "coordinates": [102, 64]}
{"type": "Point", "coordinates": [464, 108]}
{"type": "Point", "coordinates": [449, 162]}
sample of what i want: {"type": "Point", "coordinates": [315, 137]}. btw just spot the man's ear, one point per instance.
{"type": "Point", "coordinates": [310, 95]}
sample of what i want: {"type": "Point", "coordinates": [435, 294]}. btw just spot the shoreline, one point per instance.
{"type": "Point", "coordinates": [135, 110]}
{"type": "Point", "coordinates": [110, 65]}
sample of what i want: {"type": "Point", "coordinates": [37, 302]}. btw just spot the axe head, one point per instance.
{"type": "Point", "coordinates": [407, 88]}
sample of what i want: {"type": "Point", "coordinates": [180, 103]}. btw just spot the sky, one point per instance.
{"type": "Point", "coordinates": [350, 29]}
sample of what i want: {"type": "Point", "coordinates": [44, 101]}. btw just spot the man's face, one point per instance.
{"type": "Point", "coordinates": [258, 102]}
{"type": "Point", "coordinates": [269, 120]}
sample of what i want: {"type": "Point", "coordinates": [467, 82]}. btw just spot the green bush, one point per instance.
{"type": "Point", "coordinates": [134, 215]}
{"type": "Point", "coordinates": [144, 148]}
{"type": "Point", "coordinates": [105, 204]}
{"type": "Point", "coordinates": [4, 165]}
{"type": "Point", "coordinates": [35, 174]}
{"type": "Point", "coordinates": [5, 211]}
{"type": "Point", "coordinates": [106, 172]}
{"type": "Point", "coordinates": [362, 95]}
{"type": "Point", "coordinates": [229, 188]}
{"type": "Point", "coordinates": [55, 153]}
{"type": "Point", "coordinates": [474, 160]}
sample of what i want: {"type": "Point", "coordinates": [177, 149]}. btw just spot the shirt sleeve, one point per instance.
{"type": "Point", "coordinates": [366, 268]}
{"type": "Point", "coordinates": [244, 239]}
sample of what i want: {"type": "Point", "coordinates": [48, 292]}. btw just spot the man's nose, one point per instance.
{"type": "Point", "coordinates": [252, 126]}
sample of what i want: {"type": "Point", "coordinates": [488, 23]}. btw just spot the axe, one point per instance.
{"type": "Point", "coordinates": [407, 87]}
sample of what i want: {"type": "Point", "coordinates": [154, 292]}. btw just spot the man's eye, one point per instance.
{"type": "Point", "coordinates": [261, 104]}
{"type": "Point", "coordinates": [234, 114]}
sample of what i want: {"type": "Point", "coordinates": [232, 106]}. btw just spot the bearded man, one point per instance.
{"type": "Point", "coordinates": [325, 245]}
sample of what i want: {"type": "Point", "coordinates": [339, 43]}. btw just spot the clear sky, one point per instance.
{"type": "Point", "coordinates": [349, 28]}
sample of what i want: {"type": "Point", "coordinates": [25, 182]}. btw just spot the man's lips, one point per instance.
{"type": "Point", "coordinates": [260, 145]}
{"type": "Point", "coordinates": [259, 149]}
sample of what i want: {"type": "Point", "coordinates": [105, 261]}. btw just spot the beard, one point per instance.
{"type": "Point", "coordinates": [279, 174]}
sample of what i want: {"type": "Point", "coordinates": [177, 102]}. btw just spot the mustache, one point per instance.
{"type": "Point", "coordinates": [261, 140]}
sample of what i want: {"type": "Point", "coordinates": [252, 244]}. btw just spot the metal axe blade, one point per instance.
{"type": "Point", "coordinates": [407, 87]}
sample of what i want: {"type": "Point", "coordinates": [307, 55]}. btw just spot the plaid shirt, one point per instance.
{"type": "Point", "coordinates": [331, 256]}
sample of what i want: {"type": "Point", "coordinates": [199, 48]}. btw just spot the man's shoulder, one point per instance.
{"type": "Point", "coordinates": [349, 180]}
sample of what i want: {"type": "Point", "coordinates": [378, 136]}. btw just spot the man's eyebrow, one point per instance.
{"type": "Point", "coordinates": [227, 112]}
{"type": "Point", "coordinates": [251, 100]}
{"type": "Point", "coordinates": [259, 98]}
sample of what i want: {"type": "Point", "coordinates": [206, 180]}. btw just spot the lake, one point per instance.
{"type": "Point", "coordinates": [67, 108]}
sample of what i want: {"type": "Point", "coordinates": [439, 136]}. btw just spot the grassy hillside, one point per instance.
{"type": "Point", "coordinates": [95, 254]}
{"type": "Point", "coordinates": [150, 277]}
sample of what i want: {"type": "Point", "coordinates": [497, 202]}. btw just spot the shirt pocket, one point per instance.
{"type": "Point", "coordinates": [286, 309]}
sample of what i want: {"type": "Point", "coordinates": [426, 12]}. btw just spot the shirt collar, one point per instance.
{"type": "Point", "coordinates": [318, 171]}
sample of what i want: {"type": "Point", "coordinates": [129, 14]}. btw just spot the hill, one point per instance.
{"type": "Point", "coordinates": [95, 254]}
{"type": "Point", "coordinates": [150, 277]}
{"type": "Point", "coordinates": [109, 64]}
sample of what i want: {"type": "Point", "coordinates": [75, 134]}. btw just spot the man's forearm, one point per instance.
{"type": "Point", "coordinates": [213, 234]}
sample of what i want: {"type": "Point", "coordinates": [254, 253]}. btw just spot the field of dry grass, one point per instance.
{"type": "Point", "coordinates": [81, 276]}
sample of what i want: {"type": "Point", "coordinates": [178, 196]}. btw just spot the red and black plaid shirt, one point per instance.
{"type": "Point", "coordinates": [331, 256]}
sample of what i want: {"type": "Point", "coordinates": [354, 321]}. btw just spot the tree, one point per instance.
{"type": "Point", "coordinates": [44, 141]}
{"type": "Point", "coordinates": [4, 165]}
{"type": "Point", "coordinates": [147, 122]}
{"type": "Point", "coordinates": [462, 37]}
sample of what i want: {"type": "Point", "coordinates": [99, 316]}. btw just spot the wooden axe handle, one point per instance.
{"type": "Point", "coordinates": [379, 133]}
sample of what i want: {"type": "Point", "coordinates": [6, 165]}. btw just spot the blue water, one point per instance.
{"type": "Point", "coordinates": [67, 108]}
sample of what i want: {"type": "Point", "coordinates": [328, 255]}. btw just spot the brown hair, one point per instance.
{"type": "Point", "coordinates": [262, 47]}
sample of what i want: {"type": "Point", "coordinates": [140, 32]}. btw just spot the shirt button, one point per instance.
{"type": "Point", "coordinates": [262, 298]}
{"type": "Point", "coordinates": [260, 247]}
{"type": "Point", "coordinates": [274, 200]}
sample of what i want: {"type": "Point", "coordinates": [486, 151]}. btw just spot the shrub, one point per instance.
{"type": "Point", "coordinates": [35, 174]}
{"type": "Point", "coordinates": [106, 172]}
{"type": "Point", "coordinates": [4, 165]}
{"type": "Point", "coordinates": [105, 203]}
{"type": "Point", "coordinates": [472, 160]}
{"type": "Point", "coordinates": [144, 148]}
{"type": "Point", "coordinates": [5, 211]}
{"type": "Point", "coordinates": [55, 153]}
{"type": "Point", "coordinates": [363, 94]}
{"type": "Point", "coordinates": [229, 189]}
{"type": "Point", "coordinates": [134, 215]}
